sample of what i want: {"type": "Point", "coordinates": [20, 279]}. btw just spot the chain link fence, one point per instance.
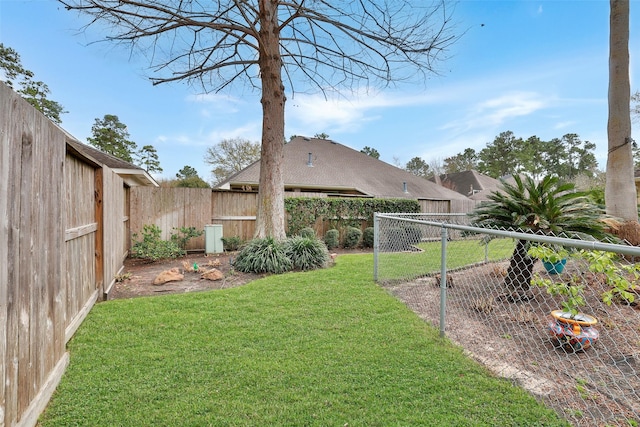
{"type": "Point", "coordinates": [460, 279]}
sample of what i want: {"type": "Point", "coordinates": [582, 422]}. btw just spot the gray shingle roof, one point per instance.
{"type": "Point", "coordinates": [469, 182]}
{"type": "Point", "coordinates": [323, 165]}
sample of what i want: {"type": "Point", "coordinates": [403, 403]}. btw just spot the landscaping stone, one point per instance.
{"type": "Point", "coordinates": [166, 276]}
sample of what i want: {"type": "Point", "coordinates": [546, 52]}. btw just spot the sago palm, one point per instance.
{"type": "Point", "coordinates": [545, 207]}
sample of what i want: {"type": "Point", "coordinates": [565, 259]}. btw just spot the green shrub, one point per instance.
{"type": "Point", "coordinates": [307, 253]}
{"type": "Point", "coordinates": [340, 212]}
{"type": "Point", "coordinates": [352, 237]}
{"type": "Point", "coordinates": [307, 232]}
{"type": "Point", "coordinates": [367, 237]}
{"type": "Point", "coordinates": [185, 234]}
{"type": "Point", "coordinates": [263, 256]}
{"type": "Point", "coordinates": [332, 238]}
{"type": "Point", "coordinates": [152, 247]}
{"type": "Point", "coordinates": [231, 244]}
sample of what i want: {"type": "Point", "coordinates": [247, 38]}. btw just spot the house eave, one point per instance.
{"type": "Point", "coordinates": [136, 177]}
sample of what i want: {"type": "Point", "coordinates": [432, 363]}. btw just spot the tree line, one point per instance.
{"type": "Point", "coordinates": [567, 157]}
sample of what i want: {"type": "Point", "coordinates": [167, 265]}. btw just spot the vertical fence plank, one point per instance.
{"type": "Point", "coordinates": [6, 149]}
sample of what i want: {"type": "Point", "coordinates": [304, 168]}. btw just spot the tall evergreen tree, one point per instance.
{"type": "Point", "coordinates": [418, 167]}
{"type": "Point", "coordinates": [34, 92]}
{"type": "Point", "coordinates": [500, 158]}
{"type": "Point", "coordinates": [148, 159]}
{"type": "Point", "coordinates": [112, 137]}
{"type": "Point", "coordinates": [465, 161]}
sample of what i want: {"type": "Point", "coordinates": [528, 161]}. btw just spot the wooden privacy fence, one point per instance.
{"type": "Point", "coordinates": [55, 257]}
{"type": "Point", "coordinates": [172, 208]}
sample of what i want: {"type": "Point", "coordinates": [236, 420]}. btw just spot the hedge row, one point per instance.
{"type": "Point", "coordinates": [341, 212]}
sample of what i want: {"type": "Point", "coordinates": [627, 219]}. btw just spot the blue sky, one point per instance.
{"type": "Point", "coordinates": [531, 67]}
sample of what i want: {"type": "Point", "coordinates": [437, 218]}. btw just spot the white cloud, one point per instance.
{"type": "Point", "coordinates": [316, 114]}
{"type": "Point", "coordinates": [564, 125]}
{"type": "Point", "coordinates": [249, 130]}
{"type": "Point", "coordinates": [494, 112]}
{"type": "Point", "coordinates": [213, 104]}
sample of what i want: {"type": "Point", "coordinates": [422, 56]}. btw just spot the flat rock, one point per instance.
{"type": "Point", "coordinates": [213, 274]}
{"type": "Point", "coordinates": [166, 276]}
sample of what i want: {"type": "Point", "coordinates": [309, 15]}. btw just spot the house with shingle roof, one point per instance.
{"type": "Point", "coordinates": [469, 183]}
{"type": "Point", "coordinates": [313, 165]}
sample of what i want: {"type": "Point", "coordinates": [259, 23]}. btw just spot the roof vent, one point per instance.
{"type": "Point", "coordinates": [404, 187]}
{"type": "Point", "coordinates": [309, 162]}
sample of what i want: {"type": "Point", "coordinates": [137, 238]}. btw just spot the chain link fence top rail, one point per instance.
{"type": "Point", "coordinates": [457, 278]}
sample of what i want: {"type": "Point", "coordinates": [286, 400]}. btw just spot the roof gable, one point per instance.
{"type": "Point", "coordinates": [469, 182]}
{"type": "Point", "coordinates": [314, 164]}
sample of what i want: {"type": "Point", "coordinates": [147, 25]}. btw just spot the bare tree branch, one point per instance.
{"type": "Point", "coordinates": [324, 43]}
{"type": "Point", "coordinates": [328, 44]}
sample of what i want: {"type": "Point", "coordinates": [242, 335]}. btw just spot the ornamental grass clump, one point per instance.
{"type": "Point", "coordinates": [263, 256]}
{"type": "Point", "coordinates": [307, 253]}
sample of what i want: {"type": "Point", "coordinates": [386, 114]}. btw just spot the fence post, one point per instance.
{"type": "Point", "coordinates": [486, 250]}
{"type": "Point", "coordinates": [443, 279]}
{"type": "Point", "coordinates": [376, 241]}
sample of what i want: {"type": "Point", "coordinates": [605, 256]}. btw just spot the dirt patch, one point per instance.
{"type": "Point", "coordinates": [596, 387]}
{"type": "Point", "coordinates": [140, 275]}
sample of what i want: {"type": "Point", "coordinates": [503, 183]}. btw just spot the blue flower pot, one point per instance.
{"type": "Point", "coordinates": [554, 267]}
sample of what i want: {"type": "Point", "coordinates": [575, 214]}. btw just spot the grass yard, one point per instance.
{"type": "Point", "coordinates": [405, 265]}
{"type": "Point", "coordinates": [322, 348]}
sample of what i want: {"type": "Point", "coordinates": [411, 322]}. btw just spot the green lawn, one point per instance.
{"type": "Point", "coordinates": [322, 348]}
{"type": "Point", "coordinates": [408, 265]}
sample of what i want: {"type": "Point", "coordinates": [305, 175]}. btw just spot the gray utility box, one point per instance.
{"type": "Point", "coordinates": [213, 239]}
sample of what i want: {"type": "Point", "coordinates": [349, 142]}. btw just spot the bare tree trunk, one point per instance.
{"type": "Point", "coordinates": [270, 215]}
{"type": "Point", "coordinates": [620, 192]}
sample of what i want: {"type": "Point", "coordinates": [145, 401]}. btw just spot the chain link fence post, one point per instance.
{"type": "Point", "coordinates": [443, 280]}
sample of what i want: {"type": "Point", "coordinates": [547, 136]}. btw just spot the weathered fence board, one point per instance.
{"type": "Point", "coordinates": [80, 213]}
{"type": "Point", "coordinates": [31, 322]}
{"type": "Point", "coordinates": [54, 255]}
{"type": "Point", "coordinates": [116, 222]}
{"type": "Point", "coordinates": [171, 208]}
{"type": "Point", "coordinates": [236, 211]}
{"type": "Point", "coordinates": [7, 172]}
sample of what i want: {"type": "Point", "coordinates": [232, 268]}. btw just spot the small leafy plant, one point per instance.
{"type": "Point", "coordinates": [620, 279]}
{"type": "Point", "coordinates": [184, 234]}
{"type": "Point", "coordinates": [571, 291]}
{"type": "Point", "coordinates": [548, 254]}
{"type": "Point", "coordinates": [152, 247]}
{"type": "Point", "coordinates": [231, 244]}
